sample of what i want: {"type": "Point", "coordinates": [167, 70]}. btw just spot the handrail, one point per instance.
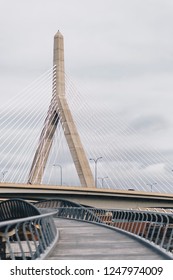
{"type": "Point", "coordinates": [27, 238]}
{"type": "Point", "coordinates": [33, 237]}
{"type": "Point", "coordinates": [154, 227]}
{"type": "Point", "coordinates": [54, 203]}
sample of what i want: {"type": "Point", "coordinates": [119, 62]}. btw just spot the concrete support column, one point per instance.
{"type": "Point", "coordinates": [71, 134]}
{"type": "Point", "coordinates": [59, 110]}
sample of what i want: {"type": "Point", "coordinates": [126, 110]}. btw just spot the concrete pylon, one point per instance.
{"type": "Point", "coordinates": [59, 111]}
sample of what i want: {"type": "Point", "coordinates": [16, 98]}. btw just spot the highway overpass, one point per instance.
{"type": "Point", "coordinates": [107, 198]}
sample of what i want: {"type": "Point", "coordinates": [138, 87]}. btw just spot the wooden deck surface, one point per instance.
{"type": "Point", "coordinates": [85, 241]}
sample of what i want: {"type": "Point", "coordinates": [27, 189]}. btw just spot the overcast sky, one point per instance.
{"type": "Point", "coordinates": [121, 51]}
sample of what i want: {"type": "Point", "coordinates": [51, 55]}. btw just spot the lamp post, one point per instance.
{"type": "Point", "coordinates": [58, 165]}
{"type": "Point", "coordinates": [3, 174]}
{"type": "Point", "coordinates": [95, 161]}
{"type": "Point", "coordinates": [151, 185]}
{"type": "Point", "coordinates": [102, 179]}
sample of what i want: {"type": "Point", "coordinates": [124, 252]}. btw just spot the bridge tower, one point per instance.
{"type": "Point", "coordinates": [59, 111]}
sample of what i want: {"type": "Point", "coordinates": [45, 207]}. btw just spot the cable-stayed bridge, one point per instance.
{"type": "Point", "coordinates": [76, 161]}
{"type": "Point", "coordinates": [56, 139]}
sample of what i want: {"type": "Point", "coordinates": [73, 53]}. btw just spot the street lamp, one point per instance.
{"type": "Point", "coordinates": [3, 174]}
{"type": "Point", "coordinates": [58, 165]}
{"type": "Point", "coordinates": [95, 161]}
{"type": "Point", "coordinates": [151, 185]}
{"type": "Point", "coordinates": [102, 179]}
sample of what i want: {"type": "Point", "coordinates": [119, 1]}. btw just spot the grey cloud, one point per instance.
{"type": "Point", "coordinates": [149, 123]}
{"type": "Point", "coordinates": [121, 50]}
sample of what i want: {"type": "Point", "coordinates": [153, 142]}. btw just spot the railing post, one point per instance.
{"type": "Point", "coordinates": [165, 231]}
{"type": "Point", "coordinates": [2, 249]}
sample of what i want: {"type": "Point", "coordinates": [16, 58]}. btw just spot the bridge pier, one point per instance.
{"type": "Point", "coordinates": [60, 111]}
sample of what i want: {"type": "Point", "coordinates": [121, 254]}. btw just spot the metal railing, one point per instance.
{"type": "Point", "coordinates": [155, 227]}
{"type": "Point", "coordinates": [33, 237]}
{"type": "Point", "coordinates": [55, 203]}
{"type": "Point", "coordinates": [27, 238]}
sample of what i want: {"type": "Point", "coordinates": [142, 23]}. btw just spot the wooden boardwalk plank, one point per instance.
{"type": "Point", "coordinates": [80, 240]}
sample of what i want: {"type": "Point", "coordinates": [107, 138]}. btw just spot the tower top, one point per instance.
{"type": "Point", "coordinates": [58, 34]}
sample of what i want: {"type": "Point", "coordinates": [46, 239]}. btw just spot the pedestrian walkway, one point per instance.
{"type": "Point", "coordinates": [86, 241]}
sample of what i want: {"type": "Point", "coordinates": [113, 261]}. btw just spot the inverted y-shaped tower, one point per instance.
{"type": "Point", "coordinates": [59, 111]}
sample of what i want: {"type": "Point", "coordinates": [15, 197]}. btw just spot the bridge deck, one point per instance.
{"type": "Point", "coordinates": [80, 240]}
{"type": "Point", "coordinates": [94, 197]}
